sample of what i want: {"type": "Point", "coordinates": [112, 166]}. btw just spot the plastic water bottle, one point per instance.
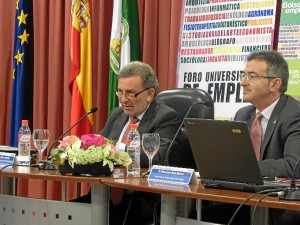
{"type": "Point", "coordinates": [134, 151]}
{"type": "Point", "coordinates": [24, 136]}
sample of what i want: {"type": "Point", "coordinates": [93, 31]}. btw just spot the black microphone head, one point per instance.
{"type": "Point", "coordinates": [94, 109]}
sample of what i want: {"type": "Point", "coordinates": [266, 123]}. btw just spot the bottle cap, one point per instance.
{"type": "Point", "coordinates": [133, 126]}
{"type": "Point", "coordinates": [24, 122]}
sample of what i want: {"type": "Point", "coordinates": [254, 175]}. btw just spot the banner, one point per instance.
{"type": "Point", "coordinates": [124, 43]}
{"type": "Point", "coordinates": [22, 77]}
{"type": "Point", "coordinates": [289, 43]}
{"type": "Point", "coordinates": [216, 37]}
{"type": "Point", "coordinates": [81, 66]}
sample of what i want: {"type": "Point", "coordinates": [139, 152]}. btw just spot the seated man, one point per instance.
{"type": "Point", "coordinates": [137, 89]}
{"type": "Point", "coordinates": [264, 83]}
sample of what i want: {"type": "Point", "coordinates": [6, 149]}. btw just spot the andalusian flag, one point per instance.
{"type": "Point", "coordinates": [81, 66]}
{"type": "Point", "coordinates": [124, 43]}
{"type": "Point", "coordinates": [22, 77]}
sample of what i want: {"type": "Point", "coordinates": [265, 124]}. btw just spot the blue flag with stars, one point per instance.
{"type": "Point", "coordinates": [22, 77]}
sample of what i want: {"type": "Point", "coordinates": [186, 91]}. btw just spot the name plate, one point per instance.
{"type": "Point", "coordinates": [7, 158]}
{"type": "Point", "coordinates": [169, 186]}
{"type": "Point", "coordinates": [172, 175]}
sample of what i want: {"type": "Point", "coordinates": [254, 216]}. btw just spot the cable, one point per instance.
{"type": "Point", "coordinates": [146, 174]}
{"type": "Point", "coordinates": [248, 198]}
{"type": "Point", "coordinates": [273, 194]}
{"type": "Point", "coordinates": [6, 167]}
{"type": "Point", "coordinates": [156, 216]}
{"type": "Point", "coordinates": [41, 165]}
{"type": "Point", "coordinates": [126, 214]}
{"type": "Point", "coordinates": [293, 182]}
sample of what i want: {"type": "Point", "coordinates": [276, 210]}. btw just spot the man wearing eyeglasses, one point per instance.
{"type": "Point", "coordinates": [264, 83]}
{"type": "Point", "coordinates": [136, 91]}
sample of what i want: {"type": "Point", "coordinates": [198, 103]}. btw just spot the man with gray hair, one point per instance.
{"type": "Point", "coordinates": [264, 83]}
{"type": "Point", "coordinates": [273, 120]}
{"type": "Point", "coordinates": [136, 91]}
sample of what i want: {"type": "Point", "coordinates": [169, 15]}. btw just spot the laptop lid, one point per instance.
{"type": "Point", "coordinates": [223, 151]}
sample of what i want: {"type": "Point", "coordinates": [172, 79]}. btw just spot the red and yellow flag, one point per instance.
{"type": "Point", "coordinates": [81, 66]}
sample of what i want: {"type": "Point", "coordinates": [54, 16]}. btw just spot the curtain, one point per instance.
{"type": "Point", "coordinates": [159, 31]}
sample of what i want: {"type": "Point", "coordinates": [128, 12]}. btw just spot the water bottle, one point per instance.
{"type": "Point", "coordinates": [24, 136]}
{"type": "Point", "coordinates": [134, 151]}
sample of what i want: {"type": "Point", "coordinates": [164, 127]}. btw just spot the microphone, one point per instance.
{"type": "Point", "coordinates": [292, 193]}
{"type": "Point", "coordinates": [207, 104]}
{"type": "Point", "coordinates": [92, 110]}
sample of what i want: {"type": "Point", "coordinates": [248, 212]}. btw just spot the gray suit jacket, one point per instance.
{"type": "Point", "coordinates": [158, 118]}
{"type": "Point", "coordinates": [280, 148]}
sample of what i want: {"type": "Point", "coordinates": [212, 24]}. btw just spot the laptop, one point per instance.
{"type": "Point", "coordinates": [225, 156]}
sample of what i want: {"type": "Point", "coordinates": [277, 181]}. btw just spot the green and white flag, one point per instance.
{"type": "Point", "coordinates": [124, 43]}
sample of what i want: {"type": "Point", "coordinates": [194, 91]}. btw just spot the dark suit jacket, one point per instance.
{"type": "Point", "coordinates": [280, 148]}
{"type": "Point", "coordinates": [158, 118]}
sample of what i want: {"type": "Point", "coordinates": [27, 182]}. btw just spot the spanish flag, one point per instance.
{"type": "Point", "coordinates": [81, 66]}
{"type": "Point", "coordinates": [22, 77]}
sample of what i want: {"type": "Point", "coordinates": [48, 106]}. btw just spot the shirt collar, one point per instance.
{"type": "Point", "coordinates": [268, 111]}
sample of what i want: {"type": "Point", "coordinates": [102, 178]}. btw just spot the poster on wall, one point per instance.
{"type": "Point", "coordinates": [216, 37]}
{"type": "Point", "coordinates": [289, 42]}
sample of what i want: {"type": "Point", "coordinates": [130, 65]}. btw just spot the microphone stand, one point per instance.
{"type": "Point", "coordinates": [292, 193]}
{"type": "Point", "coordinates": [92, 110]}
{"type": "Point", "coordinates": [207, 103]}
{"type": "Point", "coordinates": [48, 164]}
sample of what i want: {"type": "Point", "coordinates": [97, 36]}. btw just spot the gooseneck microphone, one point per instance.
{"type": "Point", "coordinates": [207, 104]}
{"type": "Point", "coordinates": [92, 110]}
{"type": "Point", "coordinates": [292, 193]}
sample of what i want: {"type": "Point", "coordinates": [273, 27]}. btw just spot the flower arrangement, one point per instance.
{"type": "Point", "coordinates": [89, 149]}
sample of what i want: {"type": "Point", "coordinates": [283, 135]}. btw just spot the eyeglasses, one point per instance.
{"type": "Point", "coordinates": [253, 77]}
{"type": "Point", "coordinates": [120, 94]}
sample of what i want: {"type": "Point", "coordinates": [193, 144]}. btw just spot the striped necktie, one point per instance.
{"type": "Point", "coordinates": [132, 120]}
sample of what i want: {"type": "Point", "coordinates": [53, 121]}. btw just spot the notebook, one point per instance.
{"type": "Point", "coordinates": [225, 156]}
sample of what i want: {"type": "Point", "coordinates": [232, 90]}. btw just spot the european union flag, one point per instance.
{"type": "Point", "coordinates": [22, 86]}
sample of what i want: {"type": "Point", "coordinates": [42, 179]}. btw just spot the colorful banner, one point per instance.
{"type": "Point", "coordinates": [289, 43]}
{"type": "Point", "coordinates": [22, 83]}
{"type": "Point", "coordinates": [216, 37]}
{"type": "Point", "coordinates": [81, 66]}
{"type": "Point", "coordinates": [124, 43]}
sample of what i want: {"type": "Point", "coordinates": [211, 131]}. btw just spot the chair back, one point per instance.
{"type": "Point", "coordinates": [181, 99]}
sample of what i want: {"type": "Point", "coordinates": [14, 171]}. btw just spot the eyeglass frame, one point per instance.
{"type": "Point", "coordinates": [253, 77]}
{"type": "Point", "coordinates": [130, 95]}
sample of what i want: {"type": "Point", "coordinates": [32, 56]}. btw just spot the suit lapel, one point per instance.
{"type": "Point", "coordinates": [119, 125]}
{"type": "Point", "coordinates": [272, 124]}
{"type": "Point", "coordinates": [147, 118]}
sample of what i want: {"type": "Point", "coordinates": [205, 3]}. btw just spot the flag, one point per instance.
{"type": "Point", "coordinates": [22, 77]}
{"type": "Point", "coordinates": [124, 43]}
{"type": "Point", "coordinates": [81, 66]}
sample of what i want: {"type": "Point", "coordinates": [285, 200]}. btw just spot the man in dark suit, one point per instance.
{"type": "Point", "coordinates": [264, 83]}
{"type": "Point", "coordinates": [137, 89]}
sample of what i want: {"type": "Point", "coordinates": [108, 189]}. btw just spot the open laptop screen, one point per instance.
{"type": "Point", "coordinates": [223, 150]}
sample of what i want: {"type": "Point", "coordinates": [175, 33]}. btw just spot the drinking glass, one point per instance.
{"type": "Point", "coordinates": [40, 140]}
{"type": "Point", "coordinates": [150, 144]}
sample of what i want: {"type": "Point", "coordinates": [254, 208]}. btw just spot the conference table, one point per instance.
{"type": "Point", "coordinates": [21, 210]}
{"type": "Point", "coordinates": [17, 210]}
{"type": "Point", "coordinates": [170, 193]}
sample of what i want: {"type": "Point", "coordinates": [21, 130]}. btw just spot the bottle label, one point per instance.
{"type": "Point", "coordinates": [24, 138]}
{"type": "Point", "coordinates": [133, 143]}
